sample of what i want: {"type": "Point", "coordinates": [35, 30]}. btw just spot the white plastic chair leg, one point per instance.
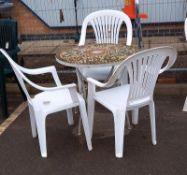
{"type": "Point", "coordinates": [135, 116]}
{"type": "Point", "coordinates": [91, 113]}
{"type": "Point", "coordinates": [33, 122]}
{"type": "Point", "coordinates": [70, 116]}
{"type": "Point", "coordinates": [79, 129]}
{"type": "Point", "coordinates": [40, 122]}
{"type": "Point", "coordinates": [152, 121]}
{"type": "Point", "coordinates": [85, 123]}
{"type": "Point", "coordinates": [119, 127]}
{"type": "Point", "coordinates": [128, 121]}
{"type": "Point", "coordinates": [79, 80]}
{"type": "Point", "coordinates": [185, 105]}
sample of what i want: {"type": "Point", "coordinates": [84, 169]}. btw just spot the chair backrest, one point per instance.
{"type": "Point", "coordinates": [143, 69]}
{"type": "Point", "coordinates": [185, 28]}
{"type": "Point", "coordinates": [19, 71]}
{"type": "Point", "coordinates": [106, 25]}
{"type": "Point", "coordinates": [8, 32]}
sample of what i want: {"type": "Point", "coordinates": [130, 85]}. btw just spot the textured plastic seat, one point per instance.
{"type": "Point", "coordinates": [50, 100]}
{"type": "Point", "coordinates": [143, 69]}
{"type": "Point", "coordinates": [106, 25]}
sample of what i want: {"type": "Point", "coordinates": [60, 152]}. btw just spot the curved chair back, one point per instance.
{"type": "Point", "coordinates": [106, 25]}
{"type": "Point", "coordinates": [19, 71]}
{"type": "Point", "coordinates": [143, 70]}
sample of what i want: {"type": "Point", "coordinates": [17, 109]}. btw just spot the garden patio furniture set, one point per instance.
{"type": "Point", "coordinates": [119, 77]}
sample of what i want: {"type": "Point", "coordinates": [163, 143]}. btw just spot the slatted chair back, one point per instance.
{"type": "Point", "coordinates": [106, 25]}
{"type": "Point", "coordinates": [143, 70]}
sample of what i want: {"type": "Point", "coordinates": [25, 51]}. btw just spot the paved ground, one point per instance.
{"type": "Point", "coordinates": [13, 101]}
{"type": "Point", "coordinates": [67, 154]}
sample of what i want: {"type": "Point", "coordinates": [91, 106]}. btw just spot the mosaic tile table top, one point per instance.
{"type": "Point", "coordinates": [94, 54]}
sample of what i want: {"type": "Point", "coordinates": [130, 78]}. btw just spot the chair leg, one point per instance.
{"type": "Point", "coordinates": [135, 116]}
{"type": "Point", "coordinates": [41, 128]}
{"type": "Point", "coordinates": [85, 123]}
{"type": "Point", "coordinates": [79, 127]}
{"type": "Point", "coordinates": [82, 91]}
{"type": "Point", "coordinates": [119, 127]}
{"type": "Point", "coordinates": [33, 122]}
{"type": "Point", "coordinates": [152, 121]}
{"type": "Point", "coordinates": [128, 121]}
{"type": "Point", "coordinates": [91, 113]}
{"type": "Point", "coordinates": [70, 116]}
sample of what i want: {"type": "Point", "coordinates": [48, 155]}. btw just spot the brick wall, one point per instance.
{"type": "Point", "coordinates": [29, 24]}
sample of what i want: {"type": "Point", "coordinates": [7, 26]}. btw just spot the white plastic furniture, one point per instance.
{"type": "Point", "coordinates": [50, 100]}
{"type": "Point", "coordinates": [106, 25]}
{"type": "Point", "coordinates": [185, 31]}
{"type": "Point", "coordinates": [185, 28]}
{"type": "Point", "coordinates": [185, 105]}
{"type": "Point", "coordinates": [143, 69]}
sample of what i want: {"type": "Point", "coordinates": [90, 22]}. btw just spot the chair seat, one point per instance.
{"type": "Point", "coordinates": [113, 98]}
{"type": "Point", "coordinates": [99, 73]}
{"type": "Point", "coordinates": [53, 101]}
{"type": "Point", "coordinates": [139, 102]}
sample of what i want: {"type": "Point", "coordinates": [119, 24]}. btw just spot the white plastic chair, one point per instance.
{"type": "Point", "coordinates": [106, 25]}
{"type": "Point", "coordinates": [50, 100]}
{"type": "Point", "coordinates": [185, 28]}
{"type": "Point", "coordinates": [185, 31]}
{"type": "Point", "coordinates": [143, 69]}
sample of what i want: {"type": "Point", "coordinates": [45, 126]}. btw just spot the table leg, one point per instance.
{"type": "Point", "coordinates": [82, 89]}
{"type": "Point", "coordinates": [81, 84]}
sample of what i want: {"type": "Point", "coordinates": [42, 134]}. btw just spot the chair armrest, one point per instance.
{"type": "Point", "coordinates": [42, 88]}
{"type": "Point", "coordinates": [96, 82]}
{"type": "Point", "coordinates": [43, 70]}
{"type": "Point", "coordinates": [72, 85]}
{"type": "Point", "coordinates": [36, 71]}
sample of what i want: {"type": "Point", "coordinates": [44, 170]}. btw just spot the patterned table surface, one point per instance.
{"type": "Point", "coordinates": [95, 54]}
